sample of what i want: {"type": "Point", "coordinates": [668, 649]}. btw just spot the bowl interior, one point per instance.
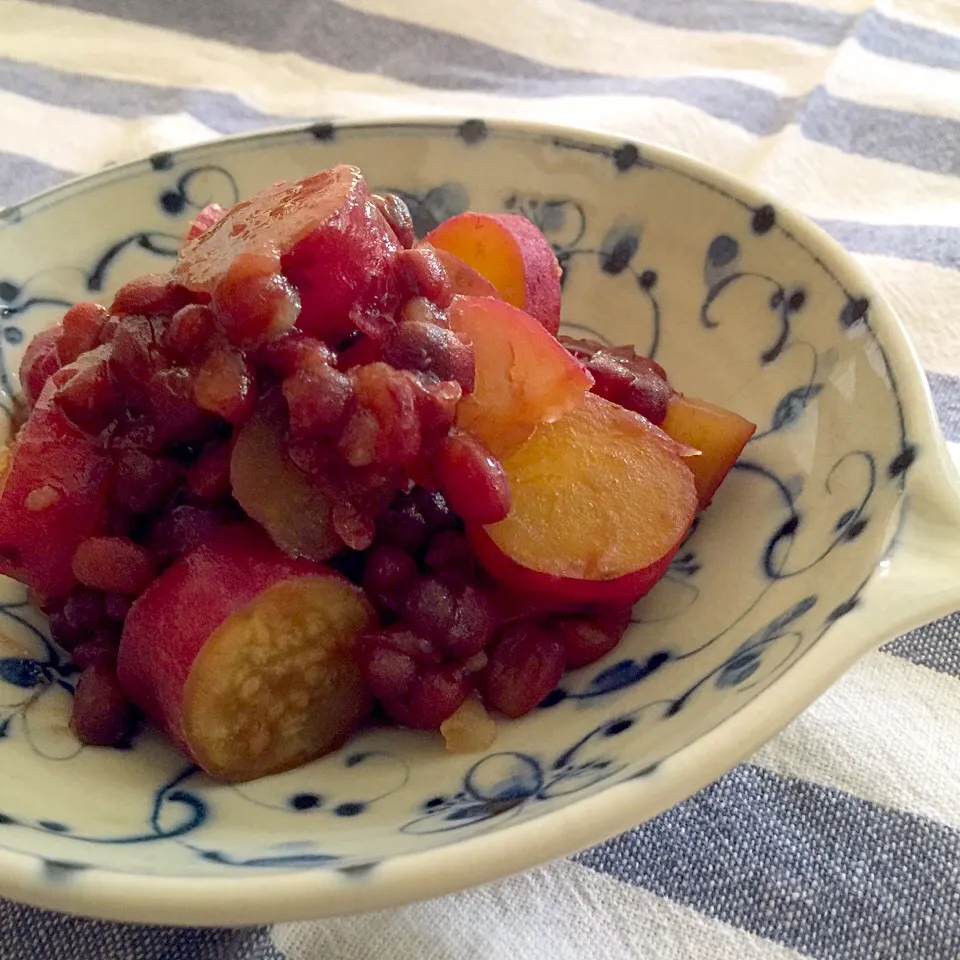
{"type": "Point", "coordinates": [739, 303]}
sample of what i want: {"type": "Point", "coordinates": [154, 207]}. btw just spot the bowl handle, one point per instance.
{"type": "Point", "coordinates": [919, 579]}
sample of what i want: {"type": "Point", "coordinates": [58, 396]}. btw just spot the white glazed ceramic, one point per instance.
{"type": "Point", "coordinates": [838, 530]}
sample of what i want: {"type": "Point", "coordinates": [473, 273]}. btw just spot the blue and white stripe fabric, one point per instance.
{"type": "Point", "coordinates": [840, 840]}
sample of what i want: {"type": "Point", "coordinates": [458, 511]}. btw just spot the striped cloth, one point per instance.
{"type": "Point", "coordinates": [840, 840]}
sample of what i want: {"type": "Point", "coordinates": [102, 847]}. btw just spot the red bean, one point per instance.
{"type": "Point", "coordinates": [40, 361]}
{"type": "Point", "coordinates": [209, 477]}
{"type": "Point", "coordinates": [402, 526]}
{"type": "Point", "coordinates": [318, 400]}
{"type": "Point", "coordinates": [116, 606]}
{"type": "Point", "coordinates": [392, 659]}
{"type": "Point", "coordinates": [473, 624]}
{"type": "Point", "coordinates": [80, 330]}
{"type": "Point", "coordinates": [397, 215]}
{"type": "Point", "coordinates": [173, 412]}
{"type": "Point", "coordinates": [413, 518]}
{"type": "Point", "coordinates": [94, 653]}
{"type": "Point", "coordinates": [253, 302]}
{"type": "Point", "coordinates": [99, 647]}
{"type": "Point", "coordinates": [586, 639]}
{"type": "Point", "coordinates": [430, 609]}
{"type": "Point", "coordinates": [436, 695]}
{"type": "Point", "coordinates": [525, 665]}
{"type": "Point", "coordinates": [225, 385]}
{"type": "Point", "coordinates": [624, 377]}
{"type": "Point", "coordinates": [144, 483]}
{"type": "Point", "coordinates": [637, 362]}
{"type": "Point", "coordinates": [405, 674]}
{"type": "Point", "coordinates": [388, 572]}
{"type": "Point", "coordinates": [384, 427]}
{"type": "Point", "coordinates": [433, 508]}
{"type": "Point", "coordinates": [644, 393]}
{"type": "Point", "coordinates": [114, 564]}
{"type": "Point", "coordinates": [429, 348]}
{"type": "Point", "coordinates": [190, 332]}
{"type": "Point", "coordinates": [62, 633]}
{"type": "Point", "coordinates": [436, 406]}
{"type": "Point", "coordinates": [180, 530]}
{"type": "Point", "coordinates": [450, 555]}
{"type": "Point", "coordinates": [584, 350]}
{"type": "Point", "coordinates": [421, 274]}
{"type": "Point", "coordinates": [472, 481]}
{"type": "Point", "coordinates": [102, 715]}
{"type": "Point", "coordinates": [84, 610]}
{"type": "Point", "coordinates": [152, 294]}
{"type": "Point", "coordinates": [294, 352]}
{"type": "Point", "coordinates": [390, 673]}
{"type": "Point", "coordinates": [357, 351]}
{"type": "Point", "coordinates": [136, 432]}
{"type": "Point", "coordinates": [135, 354]}
{"type": "Point", "coordinates": [86, 391]}
{"type": "Point", "coordinates": [457, 618]}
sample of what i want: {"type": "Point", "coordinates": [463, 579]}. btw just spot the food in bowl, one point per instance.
{"type": "Point", "coordinates": [322, 470]}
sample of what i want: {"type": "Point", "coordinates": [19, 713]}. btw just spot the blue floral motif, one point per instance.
{"type": "Point", "coordinates": [22, 672]}
{"type": "Point", "coordinates": [618, 249]}
{"type": "Point", "coordinates": [31, 671]}
{"type": "Point", "coordinates": [294, 860]}
{"type": "Point", "coordinates": [501, 784]}
{"type": "Point", "coordinates": [16, 300]}
{"type": "Point", "coordinates": [685, 564]}
{"type": "Point", "coordinates": [562, 221]}
{"type": "Point", "coordinates": [720, 275]}
{"type": "Point", "coordinates": [175, 813]}
{"type": "Point", "coordinates": [722, 252]}
{"type": "Point", "coordinates": [179, 811]}
{"type": "Point", "coordinates": [744, 662]}
{"type": "Point", "coordinates": [612, 679]}
{"type": "Point", "coordinates": [157, 242]}
{"type": "Point", "coordinates": [790, 409]}
{"type": "Point", "coordinates": [392, 774]}
{"type": "Point", "coordinates": [182, 196]}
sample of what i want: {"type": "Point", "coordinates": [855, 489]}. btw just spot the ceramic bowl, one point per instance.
{"type": "Point", "coordinates": [836, 531]}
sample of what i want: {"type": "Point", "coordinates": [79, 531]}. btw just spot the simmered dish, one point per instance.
{"type": "Point", "coordinates": [322, 472]}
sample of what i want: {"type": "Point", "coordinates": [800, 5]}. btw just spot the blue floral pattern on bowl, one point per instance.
{"type": "Point", "coordinates": [712, 282]}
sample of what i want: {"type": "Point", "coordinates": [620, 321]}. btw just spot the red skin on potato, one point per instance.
{"type": "Point", "coordinates": [243, 656]}
{"type": "Point", "coordinates": [523, 375]}
{"type": "Point", "coordinates": [601, 500]}
{"type": "Point", "coordinates": [205, 219]}
{"type": "Point", "coordinates": [512, 254]}
{"type": "Point", "coordinates": [324, 234]}
{"type": "Point", "coordinates": [567, 592]}
{"type": "Point", "coordinates": [54, 496]}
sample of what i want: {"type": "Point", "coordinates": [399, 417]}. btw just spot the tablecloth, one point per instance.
{"type": "Point", "coordinates": [840, 840]}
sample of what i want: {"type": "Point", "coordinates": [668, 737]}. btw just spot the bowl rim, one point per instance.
{"type": "Point", "coordinates": [306, 893]}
